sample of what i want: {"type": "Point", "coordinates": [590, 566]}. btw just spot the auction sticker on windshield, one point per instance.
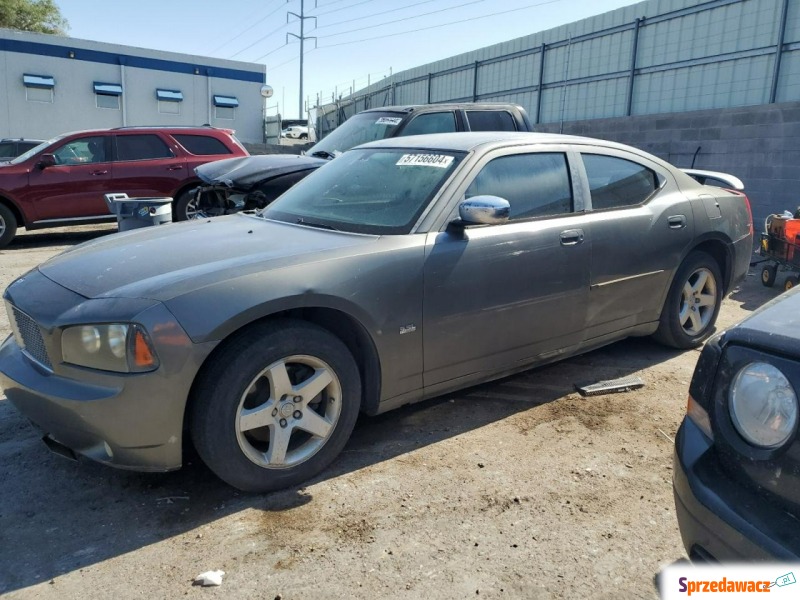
{"type": "Point", "coordinates": [440, 161]}
{"type": "Point", "coordinates": [684, 580]}
{"type": "Point", "coordinates": [389, 121]}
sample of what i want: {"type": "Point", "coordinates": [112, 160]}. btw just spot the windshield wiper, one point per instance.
{"type": "Point", "coordinates": [302, 221]}
{"type": "Point", "coordinates": [323, 154]}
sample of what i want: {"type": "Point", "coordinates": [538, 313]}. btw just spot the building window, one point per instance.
{"type": "Point", "coordinates": [107, 95]}
{"type": "Point", "coordinates": [38, 88]}
{"type": "Point", "coordinates": [169, 101]}
{"type": "Point", "coordinates": [225, 107]}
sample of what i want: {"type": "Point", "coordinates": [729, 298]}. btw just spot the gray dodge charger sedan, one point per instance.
{"type": "Point", "coordinates": [405, 269]}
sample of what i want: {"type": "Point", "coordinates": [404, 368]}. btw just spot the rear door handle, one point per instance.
{"type": "Point", "coordinates": [676, 221]}
{"type": "Point", "coordinates": [99, 172]}
{"type": "Point", "coordinates": [571, 237]}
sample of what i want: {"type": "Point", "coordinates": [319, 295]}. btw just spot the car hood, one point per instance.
{"type": "Point", "coordinates": [246, 171]}
{"type": "Point", "coordinates": [774, 326]}
{"type": "Point", "coordinates": [163, 262]}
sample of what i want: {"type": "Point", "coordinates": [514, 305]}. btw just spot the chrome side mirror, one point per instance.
{"type": "Point", "coordinates": [484, 210]}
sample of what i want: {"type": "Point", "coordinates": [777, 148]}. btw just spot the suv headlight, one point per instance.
{"type": "Point", "coordinates": [763, 405]}
{"type": "Point", "coordinates": [120, 347]}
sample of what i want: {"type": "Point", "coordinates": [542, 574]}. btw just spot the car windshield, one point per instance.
{"type": "Point", "coordinates": [358, 129]}
{"type": "Point", "coordinates": [26, 155]}
{"type": "Point", "coordinates": [375, 191]}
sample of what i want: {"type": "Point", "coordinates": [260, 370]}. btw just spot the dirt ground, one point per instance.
{"type": "Point", "coordinates": [516, 489]}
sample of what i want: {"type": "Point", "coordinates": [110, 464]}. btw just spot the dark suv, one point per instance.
{"type": "Point", "coordinates": [11, 148]}
{"type": "Point", "coordinates": [63, 181]}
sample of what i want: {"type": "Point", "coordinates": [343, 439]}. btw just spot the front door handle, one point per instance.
{"type": "Point", "coordinates": [175, 168]}
{"type": "Point", "coordinates": [99, 172]}
{"type": "Point", "coordinates": [571, 237]}
{"type": "Point", "coordinates": [677, 221]}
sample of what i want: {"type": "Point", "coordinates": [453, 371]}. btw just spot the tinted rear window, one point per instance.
{"type": "Point", "coordinates": [202, 144]}
{"type": "Point", "coordinates": [8, 149]}
{"type": "Point", "coordinates": [490, 120]}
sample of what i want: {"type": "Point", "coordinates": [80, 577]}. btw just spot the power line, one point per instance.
{"type": "Point", "coordinates": [259, 40]}
{"type": "Point", "coordinates": [248, 29]}
{"type": "Point", "coordinates": [494, 14]}
{"type": "Point", "coordinates": [343, 7]}
{"type": "Point", "coordinates": [419, 16]}
{"type": "Point", "coordinates": [385, 12]}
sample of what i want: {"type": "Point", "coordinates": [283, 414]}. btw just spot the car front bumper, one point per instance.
{"type": "Point", "coordinates": [719, 518]}
{"type": "Point", "coordinates": [127, 420]}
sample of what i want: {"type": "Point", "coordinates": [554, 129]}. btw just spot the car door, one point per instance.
{"type": "Point", "coordinates": [146, 166]}
{"type": "Point", "coordinates": [73, 188]}
{"type": "Point", "coordinates": [640, 224]}
{"type": "Point", "coordinates": [496, 296]}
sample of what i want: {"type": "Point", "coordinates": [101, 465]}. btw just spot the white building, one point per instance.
{"type": "Point", "coordinates": [53, 84]}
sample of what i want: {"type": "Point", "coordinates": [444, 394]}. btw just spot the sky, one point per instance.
{"type": "Point", "coordinates": [356, 40]}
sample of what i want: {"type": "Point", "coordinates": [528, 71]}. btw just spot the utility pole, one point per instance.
{"type": "Point", "coordinates": [302, 37]}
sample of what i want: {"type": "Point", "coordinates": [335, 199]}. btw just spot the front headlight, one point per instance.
{"type": "Point", "coordinates": [120, 347]}
{"type": "Point", "coordinates": [763, 405]}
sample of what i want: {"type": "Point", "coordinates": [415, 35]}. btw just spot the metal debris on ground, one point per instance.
{"type": "Point", "coordinates": [611, 386]}
{"type": "Point", "coordinates": [209, 578]}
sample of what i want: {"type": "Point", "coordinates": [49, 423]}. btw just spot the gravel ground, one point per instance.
{"type": "Point", "coordinates": [515, 489]}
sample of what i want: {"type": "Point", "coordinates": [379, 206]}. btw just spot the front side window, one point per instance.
{"type": "Point", "coordinates": [82, 151]}
{"type": "Point", "coordinates": [141, 147]}
{"type": "Point", "coordinates": [443, 122]}
{"type": "Point", "coordinates": [616, 182]}
{"type": "Point", "coordinates": [380, 191]}
{"type": "Point", "coordinates": [535, 185]}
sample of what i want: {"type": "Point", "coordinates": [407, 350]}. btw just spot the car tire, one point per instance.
{"type": "Point", "coordinates": [184, 207]}
{"type": "Point", "coordinates": [8, 226]}
{"type": "Point", "coordinates": [250, 419]}
{"type": "Point", "coordinates": [790, 282]}
{"type": "Point", "coordinates": [693, 302]}
{"type": "Point", "coordinates": [768, 275]}
{"type": "Point", "coordinates": [303, 136]}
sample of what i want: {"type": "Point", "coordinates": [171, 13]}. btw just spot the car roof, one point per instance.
{"type": "Point", "coordinates": [470, 140]}
{"type": "Point", "coordinates": [408, 108]}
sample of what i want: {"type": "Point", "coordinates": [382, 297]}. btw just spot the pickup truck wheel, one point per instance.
{"type": "Point", "coordinates": [692, 303]}
{"type": "Point", "coordinates": [791, 281]}
{"type": "Point", "coordinates": [276, 405]}
{"type": "Point", "coordinates": [8, 226]}
{"type": "Point", "coordinates": [185, 206]}
{"type": "Point", "coordinates": [768, 274]}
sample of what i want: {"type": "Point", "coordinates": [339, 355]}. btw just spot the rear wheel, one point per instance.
{"type": "Point", "coordinates": [276, 405]}
{"type": "Point", "coordinates": [791, 281]}
{"type": "Point", "coordinates": [768, 274]}
{"type": "Point", "coordinates": [8, 226]}
{"type": "Point", "coordinates": [692, 304]}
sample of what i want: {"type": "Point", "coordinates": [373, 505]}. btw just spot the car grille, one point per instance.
{"type": "Point", "coordinates": [29, 336]}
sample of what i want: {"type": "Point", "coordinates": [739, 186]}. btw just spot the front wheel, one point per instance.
{"type": "Point", "coordinates": [185, 206]}
{"type": "Point", "coordinates": [692, 303]}
{"type": "Point", "coordinates": [276, 405]}
{"type": "Point", "coordinates": [8, 226]}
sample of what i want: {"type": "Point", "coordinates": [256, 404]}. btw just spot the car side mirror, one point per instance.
{"type": "Point", "coordinates": [46, 160]}
{"type": "Point", "coordinates": [484, 210]}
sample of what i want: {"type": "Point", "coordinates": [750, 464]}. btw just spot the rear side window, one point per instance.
{"type": "Point", "coordinates": [490, 120]}
{"type": "Point", "coordinates": [202, 144]}
{"type": "Point", "coordinates": [141, 147]}
{"type": "Point", "coordinates": [616, 182]}
{"type": "Point", "coordinates": [443, 122]}
{"type": "Point", "coordinates": [8, 149]}
{"type": "Point", "coordinates": [535, 185]}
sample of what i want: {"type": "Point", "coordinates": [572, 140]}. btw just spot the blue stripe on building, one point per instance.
{"type": "Point", "coordinates": [112, 58]}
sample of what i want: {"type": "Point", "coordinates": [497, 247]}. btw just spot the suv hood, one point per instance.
{"type": "Point", "coordinates": [245, 172]}
{"type": "Point", "coordinates": [163, 262]}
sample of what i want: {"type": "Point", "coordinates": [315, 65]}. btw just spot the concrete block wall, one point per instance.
{"type": "Point", "coordinates": [758, 144]}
